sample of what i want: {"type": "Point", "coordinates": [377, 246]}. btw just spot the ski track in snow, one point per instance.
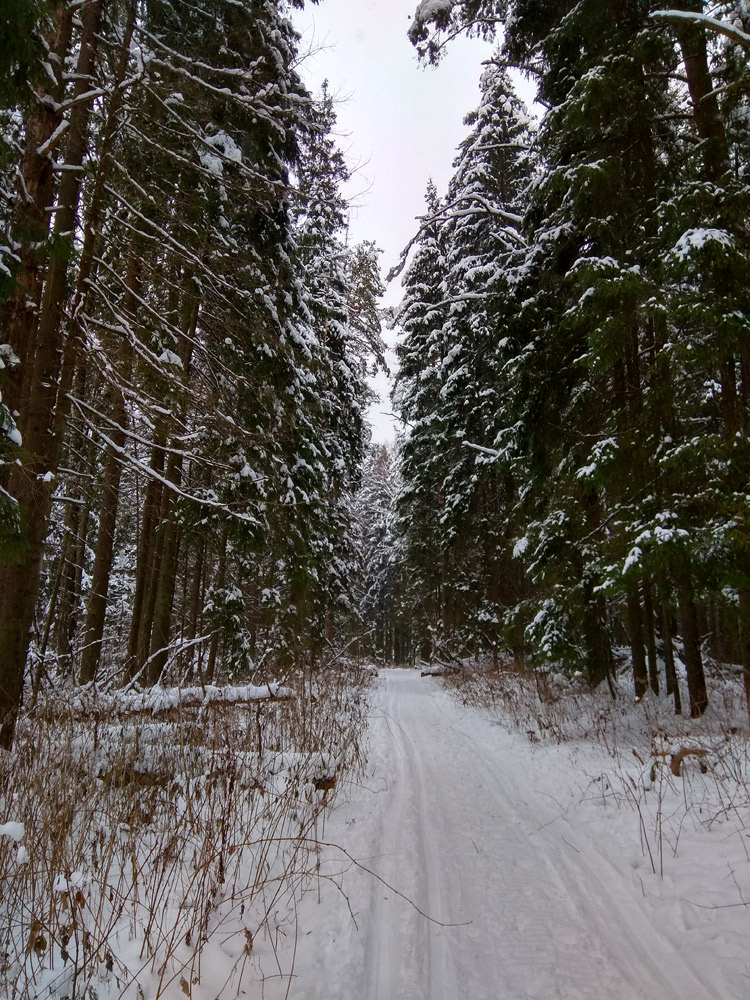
{"type": "Point", "coordinates": [524, 904]}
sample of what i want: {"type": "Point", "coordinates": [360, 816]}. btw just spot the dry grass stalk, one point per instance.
{"type": "Point", "coordinates": [144, 839]}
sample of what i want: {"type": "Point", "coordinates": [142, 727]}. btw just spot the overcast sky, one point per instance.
{"type": "Point", "coordinates": [400, 122]}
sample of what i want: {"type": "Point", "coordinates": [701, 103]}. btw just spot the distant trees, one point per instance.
{"type": "Point", "coordinates": [593, 406]}
{"type": "Point", "coordinates": [184, 336]}
{"type": "Point", "coordinates": [383, 590]}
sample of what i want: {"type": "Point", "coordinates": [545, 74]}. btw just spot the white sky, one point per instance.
{"type": "Point", "coordinates": [400, 122]}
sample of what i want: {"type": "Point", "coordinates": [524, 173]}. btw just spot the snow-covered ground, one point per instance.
{"type": "Point", "coordinates": [510, 870]}
{"type": "Point", "coordinates": [467, 859]}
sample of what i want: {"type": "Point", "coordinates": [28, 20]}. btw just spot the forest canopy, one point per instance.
{"type": "Point", "coordinates": [575, 369]}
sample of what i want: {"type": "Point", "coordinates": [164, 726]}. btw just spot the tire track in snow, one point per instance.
{"type": "Point", "coordinates": [461, 836]}
{"type": "Point", "coordinates": [587, 877]}
{"type": "Point", "coordinates": [401, 964]}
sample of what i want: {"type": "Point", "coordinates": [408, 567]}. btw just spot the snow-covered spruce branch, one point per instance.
{"type": "Point", "coordinates": [452, 210]}
{"type": "Point", "coordinates": [147, 356]}
{"type": "Point", "coordinates": [137, 395]}
{"type": "Point", "coordinates": [183, 161]}
{"type": "Point", "coordinates": [448, 24]}
{"type": "Point", "coordinates": [706, 21]}
{"type": "Point", "coordinates": [240, 164]}
{"type": "Point", "coordinates": [455, 299]}
{"type": "Point", "coordinates": [166, 449]}
{"type": "Point", "coordinates": [247, 102]}
{"type": "Point", "coordinates": [493, 453]}
{"type": "Point", "coordinates": [130, 459]}
{"type": "Point", "coordinates": [155, 231]}
{"type": "Point", "coordinates": [238, 72]}
{"type": "Point", "coordinates": [179, 334]}
{"type": "Point", "coordinates": [123, 328]}
{"type": "Point", "coordinates": [522, 147]}
{"type": "Point", "coordinates": [90, 95]}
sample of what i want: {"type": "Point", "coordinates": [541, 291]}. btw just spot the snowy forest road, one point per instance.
{"type": "Point", "coordinates": [522, 903]}
{"type": "Point", "coordinates": [462, 839]}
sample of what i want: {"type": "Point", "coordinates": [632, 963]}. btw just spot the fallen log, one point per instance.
{"type": "Point", "coordinates": [162, 701]}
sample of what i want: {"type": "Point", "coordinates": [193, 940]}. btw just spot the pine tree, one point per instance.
{"type": "Point", "coordinates": [382, 594]}
{"type": "Point", "coordinates": [485, 204]}
{"type": "Point", "coordinates": [417, 399]}
{"type": "Point", "coordinates": [181, 332]}
{"type": "Point", "coordinates": [616, 350]}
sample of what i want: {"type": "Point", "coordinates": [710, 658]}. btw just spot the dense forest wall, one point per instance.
{"type": "Point", "coordinates": [185, 335]}
{"type": "Point", "coordinates": [575, 365]}
{"type": "Point", "coordinates": [184, 339]}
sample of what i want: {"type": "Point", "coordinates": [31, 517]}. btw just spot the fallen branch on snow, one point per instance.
{"type": "Point", "coordinates": [676, 757]}
{"type": "Point", "coordinates": [160, 700]}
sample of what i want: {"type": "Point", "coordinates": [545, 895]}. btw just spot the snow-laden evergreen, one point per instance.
{"type": "Point", "coordinates": [188, 335]}
{"type": "Point", "coordinates": [592, 366]}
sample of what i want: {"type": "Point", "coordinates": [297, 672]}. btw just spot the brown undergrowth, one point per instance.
{"type": "Point", "coordinates": [131, 844]}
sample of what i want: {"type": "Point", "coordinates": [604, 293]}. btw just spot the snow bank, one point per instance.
{"type": "Point", "coordinates": [13, 830]}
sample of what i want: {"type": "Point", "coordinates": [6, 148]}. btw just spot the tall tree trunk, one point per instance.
{"type": "Point", "coordinates": [696, 679]}
{"type": "Point", "coordinates": [51, 616]}
{"type": "Point", "coordinates": [196, 595]}
{"type": "Point", "coordinates": [96, 611]}
{"type": "Point", "coordinates": [146, 548]}
{"type": "Point", "coordinates": [221, 579]}
{"type": "Point", "coordinates": [670, 671]}
{"type": "Point", "coordinates": [709, 125]}
{"type": "Point", "coordinates": [707, 114]}
{"type": "Point", "coordinates": [31, 215]}
{"type": "Point", "coordinates": [158, 617]}
{"type": "Point", "coordinates": [649, 629]}
{"type": "Point", "coordinates": [635, 628]}
{"type": "Point", "coordinates": [64, 620]}
{"type": "Point", "coordinates": [32, 483]}
{"type": "Point", "coordinates": [599, 664]}
{"type": "Point", "coordinates": [165, 579]}
{"type": "Point", "coordinates": [745, 640]}
{"type": "Point", "coordinates": [155, 550]}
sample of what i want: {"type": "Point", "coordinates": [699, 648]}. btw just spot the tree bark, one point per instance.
{"type": "Point", "coordinates": [196, 594]}
{"type": "Point", "coordinates": [707, 114]}
{"type": "Point", "coordinates": [670, 671]}
{"type": "Point", "coordinates": [221, 578]}
{"type": "Point", "coordinates": [745, 640]}
{"type": "Point", "coordinates": [165, 579]}
{"type": "Point", "coordinates": [696, 679]}
{"type": "Point", "coordinates": [32, 483]}
{"type": "Point", "coordinates": [598, 648]}
{"type": "Point", "coordinates": [30, 224]}
{"type": "Point", "coordinates": [96, 611]}
{"type": "Point", "coordinates": [649, 629]}
{"type": "Point", "coordinates": [635, 628]}
{"type": "Point", "coordinates": [146, 548]}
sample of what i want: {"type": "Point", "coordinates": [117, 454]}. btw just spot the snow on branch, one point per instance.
{"type": "Point", "coordinates": [492, 452]}
{"type": "Point", "coordinates": [454, 210]}
{"type": "Point", "coordinates": [438, 22]}
{"type": "Point", "coordinates": [160, 700]}
{"type": "Point", "coordinates": [706, 21]}
{"type": "Point", "coordinates": [147, 442]}
{"type": "Point", "coordinates": [130, 459]}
